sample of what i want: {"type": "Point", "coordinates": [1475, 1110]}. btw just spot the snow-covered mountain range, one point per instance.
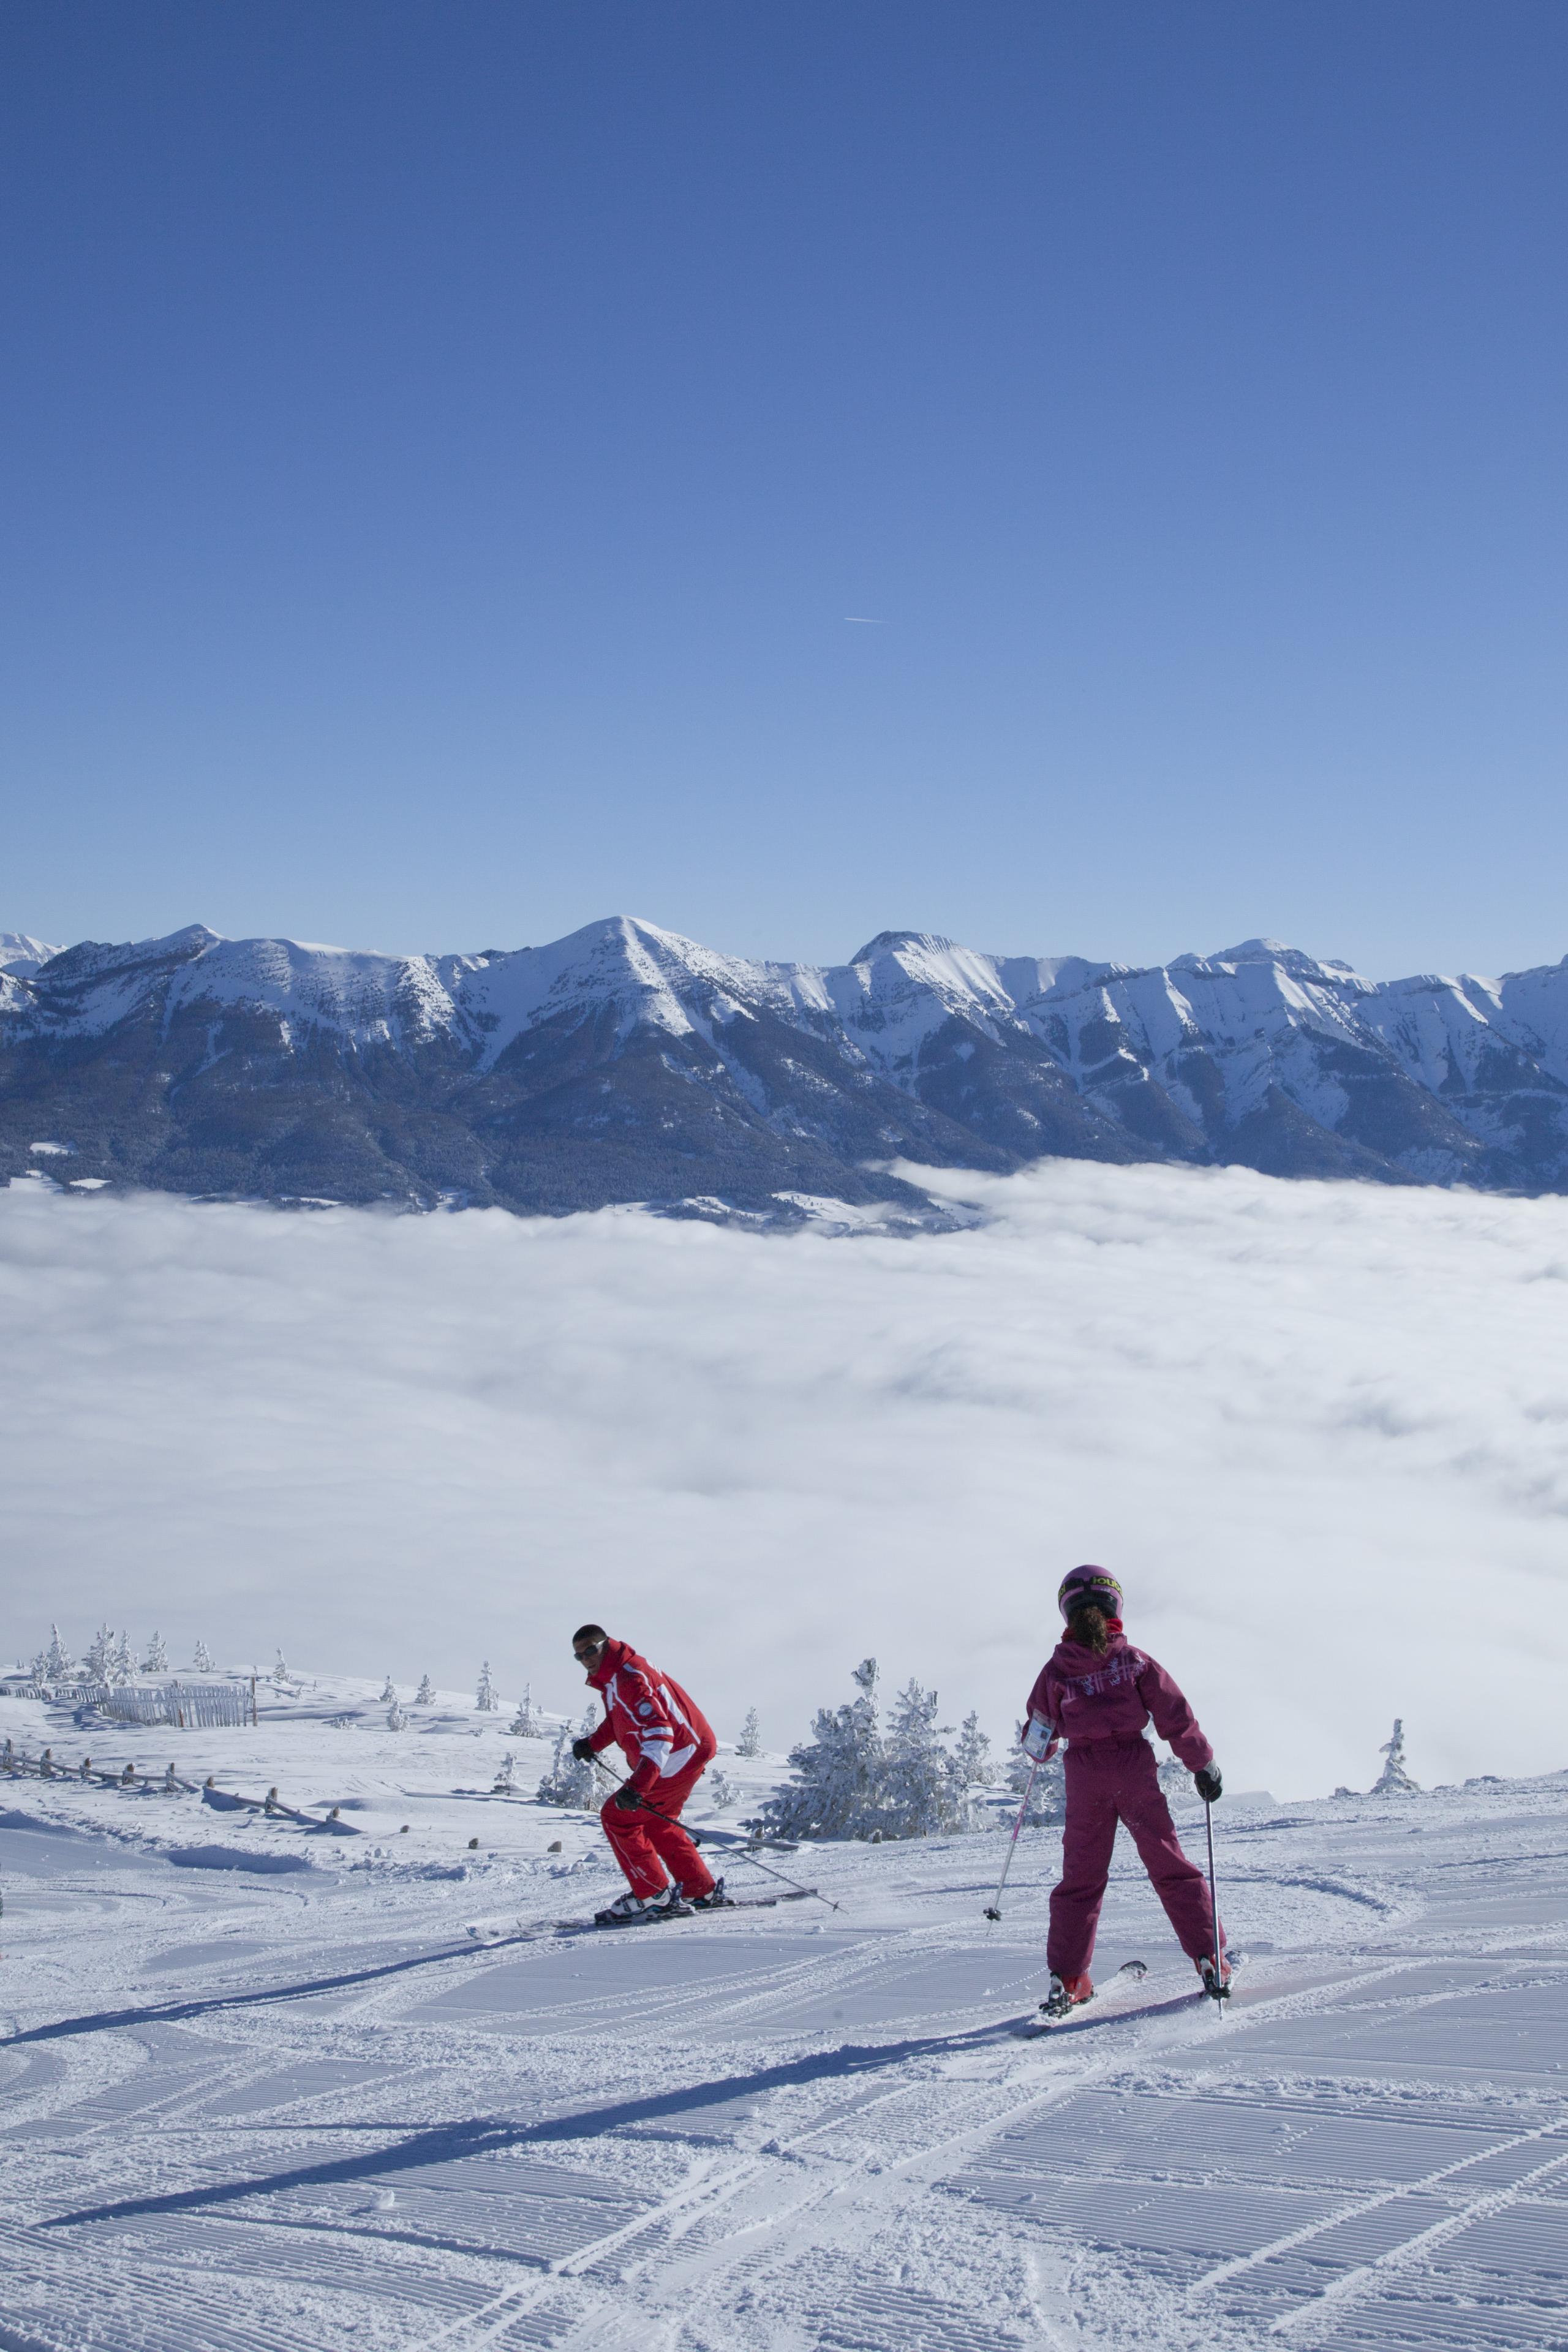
{"type": "Point", "coordinates": [625, 1062]}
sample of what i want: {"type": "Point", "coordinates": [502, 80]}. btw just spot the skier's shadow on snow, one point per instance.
{"type": "Point", "coordinates": [486, 2136]}
{"type": "Point", "coordinates": [168, 2012]}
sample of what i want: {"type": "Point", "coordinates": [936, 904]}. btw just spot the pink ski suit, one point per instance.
{"type": "Point", "coordinates": [1100, 1707]}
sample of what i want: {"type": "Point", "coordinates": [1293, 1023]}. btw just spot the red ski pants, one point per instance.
{"type": "Point", "coordinates": [1109, 1780]}
{"type": "Point", "coordinates": [650, 1846]}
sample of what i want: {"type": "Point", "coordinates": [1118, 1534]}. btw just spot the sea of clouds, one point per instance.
{"type": "Point", "coordinates": [1317, 1430]}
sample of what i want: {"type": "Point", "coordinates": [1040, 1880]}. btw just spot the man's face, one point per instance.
{"type": "Point", "coordinates": [587, 1655]}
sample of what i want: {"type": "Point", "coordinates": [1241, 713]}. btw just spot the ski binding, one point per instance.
{"type": "Point", "coordinates": [1057, 2003]}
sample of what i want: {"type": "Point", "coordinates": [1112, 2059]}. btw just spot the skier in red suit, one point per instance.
{"type": "Point", "coordinates": [667, 1742]}
{"type": "Point", "coordinates": [1097, 1692]}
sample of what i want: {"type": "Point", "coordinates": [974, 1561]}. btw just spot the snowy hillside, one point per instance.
{"type": "Point", "coordinates": [625, 1063]}
{"type": "Point", "coordinates": [271, 2086]}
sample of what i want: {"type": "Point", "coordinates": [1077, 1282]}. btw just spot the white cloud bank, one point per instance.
{"type": "Point", "coordinates": [1317, 1430]}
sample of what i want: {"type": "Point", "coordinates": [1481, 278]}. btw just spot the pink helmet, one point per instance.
{"type": "Point", "coordinates": [1089, 1588]}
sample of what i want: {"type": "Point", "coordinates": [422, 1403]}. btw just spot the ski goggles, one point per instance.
{"type": "Point", "coordinates": [1104, 1594]}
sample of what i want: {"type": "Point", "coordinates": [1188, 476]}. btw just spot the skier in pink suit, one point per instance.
{"type": "Point", "coordinates": [1097, 1692]}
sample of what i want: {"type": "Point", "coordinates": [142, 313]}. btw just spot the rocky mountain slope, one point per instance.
{"type": "Point", "coordinates": [625, 1063]}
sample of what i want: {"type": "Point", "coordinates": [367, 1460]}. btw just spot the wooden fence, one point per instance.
{"type": "Point", "coordinates": [196, 1707]}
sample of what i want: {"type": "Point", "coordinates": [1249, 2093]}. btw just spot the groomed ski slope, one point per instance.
{"type": "Point", "coordinates": [263, 2106]}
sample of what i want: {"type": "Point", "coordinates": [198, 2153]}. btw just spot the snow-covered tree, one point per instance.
{"type": "Point", "coordinates": [721, 1791]}
{"type": "Point", "coordinates": [58, 1663]}
{"type": "Point", "coordinates": [921, 1793]}
{"type": "Point", "coordinates": [280, 1671]}
{"type": "Point", "coordinates": [486, 1699]}
{"type": "Point", "coordinates": [569, 1782]}
{"type": "Point", "coordinates": [388, 1692]}
{"type": "Point", "coordinates": [122, 1662]}
{"type": "Point", "coordinates": [396, 1718]}
{"type": "Point", "coordinates": [838, 1771]}
{"type": "Point", "coordinates": [425, 1693]}
{"type": "Point", "coordinates": [156, 1660]}
{"type": "Point", "coordinates": [506, 1776]}
{"type": "Point", "coordinates": [39, 1666]}
{"type": "Point", "coordinates": [522, 1725]}
{"type": "Point", "coordinates": [100, 1655]}
{"type": "Point", "coordinates": [750, 1743]}
{"type": "Point", "coordinates": [971, 1757]}
{"type": "Point", "coordinates": [1394, 1780]}
{"type": "Point", "coordinates": [203, 1660]}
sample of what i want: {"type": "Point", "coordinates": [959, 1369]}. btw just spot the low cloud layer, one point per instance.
{"type": "Point", "coordinates": [1317, 1430]}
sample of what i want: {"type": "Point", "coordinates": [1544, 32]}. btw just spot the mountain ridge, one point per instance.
{"type": "Point", "coordinates": [625, 1062]}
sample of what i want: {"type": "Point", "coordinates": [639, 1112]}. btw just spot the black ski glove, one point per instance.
{"type": "Point", "coordinates": [628, 1800]}
{"type": "Point", "coordinates": [1210, 1786]}
{"type": "Point", "coordinates": [582, 1749]}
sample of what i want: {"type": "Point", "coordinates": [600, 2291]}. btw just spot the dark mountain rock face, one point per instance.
{"type": "Point", "coordinates": [627, 1063]}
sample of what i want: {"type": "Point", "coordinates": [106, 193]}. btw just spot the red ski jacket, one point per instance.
{"type": "Point", "coordinates": [1084, 1697]}
{"type": "Point", "coordinates": [659, 1730]}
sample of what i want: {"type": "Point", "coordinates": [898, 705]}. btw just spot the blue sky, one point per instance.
{"type": "Point", "coordinates": [443, 444]}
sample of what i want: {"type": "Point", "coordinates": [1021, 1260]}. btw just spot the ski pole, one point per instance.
{"type": "Point", "coordinates": [746, 1854]}
{"type": "Point", "coordinates": [994, 1910]}
{"type": "Point", "coordinates": [1221, 1989]}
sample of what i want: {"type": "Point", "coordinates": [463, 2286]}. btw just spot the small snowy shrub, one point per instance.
{"type": "Point", "coordinates": [122, 1662]}
{"type": "Point", "coordinates": [1395, 1781]}
{"type": "Point", "coordinates": [721, 1792]}
{"type": "Point", "coordinates": [506, 1776]}
{"type": "Point", "coordinates": [396, 1718]}
{"type": "Point", "coordinates": [99, 1655]}
{"type": "Point", "coordinates": [569, 1782]}
{"type": "Point", "coordinates": [425, 1693]}
{"type": "Point", "coordinates": [57, 1664]}
{"type": "Point", "coordinates": [156, 1660]}
{"type": "Point", "coordinates": [388, 1692]}
{"type": "Point", "coordinates": [485, 1698]}
{"type": "Point", "coordinates": [280, 1671]}
{"type": "Point", "coordinates": [203, 1660]}
{"type": "Point", "coordinates": [750, 1743]}
{"type": "Point", "coordinates": [522, 1725]}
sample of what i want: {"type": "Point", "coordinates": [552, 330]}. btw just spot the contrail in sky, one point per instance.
{"type": "Point", "coordinates": [865, 620]}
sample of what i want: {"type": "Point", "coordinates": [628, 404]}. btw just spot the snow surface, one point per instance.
{"type": "Point", "coordinates": [269, 2088]}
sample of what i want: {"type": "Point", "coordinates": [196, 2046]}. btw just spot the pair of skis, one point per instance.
{"type": "Point", "coordinates": [1054, 2011]}
{"type": "Point", "coordinates": [665, 1919]}
{"type": "Point", "coordinates": [528, 1933]}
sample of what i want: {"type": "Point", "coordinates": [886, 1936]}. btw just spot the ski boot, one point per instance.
{"type": "Point", "coordinates": [629, 1910]}
{"type": "Point", "coordinates": [714, 1900]}
{"type": "Point", "coordinates": [1067, 1993]}
{"type": "Point", "coordinates": [1215, 1975]}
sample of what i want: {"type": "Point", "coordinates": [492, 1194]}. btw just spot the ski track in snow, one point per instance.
{"type": "Point", "coordinates": [247, 2109]}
